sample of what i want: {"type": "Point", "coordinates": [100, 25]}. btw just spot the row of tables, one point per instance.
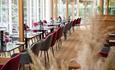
{"type": "Point", "coordinates": [30, 37]}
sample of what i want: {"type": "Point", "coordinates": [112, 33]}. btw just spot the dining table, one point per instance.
{"type": "Point", "coordinates": [10, 48]}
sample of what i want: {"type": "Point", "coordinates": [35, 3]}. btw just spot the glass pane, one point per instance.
{"type": "Point", "coordinates": [25, 11]}
{"type": "Point", "coordinates": [5, 13]}
{"type": "Point", "coordinates": [14, 17]}
{"type": "Point", "coordinates": [0, 10]}
{"type": "Point", "coordinates": [14, 11]}
{"type": "Point", "coordinates": [61, 8]}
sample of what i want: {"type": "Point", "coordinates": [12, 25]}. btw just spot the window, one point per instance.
{"type": "Point", "coordinates": [34, 10]}
{"type": "Point", "coordinates": [4, 13]}
{"type": "Point", "coordinates": [61, 8]}
{"type": "Point", "coordinates": [8, 14]}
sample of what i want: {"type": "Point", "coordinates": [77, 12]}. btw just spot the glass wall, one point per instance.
{"type": "Point", "coordinates": [34, 10]}
{"type": "Point", "coordinates": [86, 8]}
{"type": "Point", "coordinates": [61, 8]}
{"type": "Point", "coordinates": [4, 5]}
{"type": "Point", "coordinates": [9, 14]}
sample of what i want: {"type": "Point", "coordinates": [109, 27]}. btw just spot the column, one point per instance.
{"type": "Point", "coordinates": [49, 9]}
{"type": "Point", "coordinates": [43, 8]}
{"type": "Point", "coordinates": [73, 3]}
{"type": "Point", "coordinates": [94, 7]}
{"type": "Point", "coordinates": [77, 8]}
{"type": "Point", "coordinates": [66, 9]}
{"type": "Point", "coordinates": [55, 9]}
{"type": "Point", "coordinates": [21, 20]}
{"type": "Point", "coordinates": [101, 7]}
{"type": "Point", "coordinates": [107, 8]}
{"type": "Point", "coordinates": [37, 9]}
{"type": "Point", "coordinates": [29, 13]}
{"type": "Point", "coordinates": [52, 5]}
{"type": "Point", "coordinates": [34, 8]}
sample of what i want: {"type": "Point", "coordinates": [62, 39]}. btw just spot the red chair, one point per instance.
{"type": "Point", "coordinates": [78, 21]}
{"type": "Point", "coordinates": [35, 30]}
{"type": "Point", "coordinates": [73, 24]}
{"type": "Point", "coordinates": [59, 35]}
{"type": "Point", "coordinates": [44, 21]}
{"type": "Point", "coordinates": [54, 36]}
{"type": "Point", "coordinates": [12, 64]}
{"type": "Point", "coordinates": [65, 31]}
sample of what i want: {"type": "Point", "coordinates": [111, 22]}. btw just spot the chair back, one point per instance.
{"type": "Point", "coordinates": [70, 25]}
{"type": "Point", "coordinates": [78, 21]}
{"type": "Point", "coordinates": [44, 21]}
{"type": "Point", "coordinates": [66, 28]}
{"type": "Point", "coordinates": [12, 64]}
{"type": "Point", "coordinates": [46, 43]}
{"type": "Point", "coordinates": [59, 32]}
{"type": "Point", "coordinates": [54, 36]}
{"type": "Point", "coordinates": [35, 48]}
{"type": "Point", "coordinates": [35, 30]}
{"type": "Point", "coordinates": [74, 22]}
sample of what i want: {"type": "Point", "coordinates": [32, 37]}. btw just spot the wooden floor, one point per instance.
{"type": "Point", "coordinates": [69, 47]}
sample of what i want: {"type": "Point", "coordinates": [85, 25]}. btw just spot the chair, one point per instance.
{"type": "Point", "coordinates": [25, 59]}
{"type": "Point", "coordinates": [54, 36]}
{"type": "Point", "coordinates": [65, 30]}
{"type": "Point", "coordinates": [73, 24]}
{"type": "Point", "coordinates": [35, 48]}
{"type": "Point", "coordinates": [59, 35]}
{"type": "Point", "coordinates": [44, 21]}
{"type": "Point", "coordinates": [69, 27]}
{"type": "Point", "coordinates": [78, 21]}
{"type": "Point", "coordinates": [44, 46]}
{"type": "Point", "coordinates": [12, 64]}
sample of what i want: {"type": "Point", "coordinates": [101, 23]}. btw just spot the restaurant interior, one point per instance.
{"type": "Point", "coordinates": [57, 34]}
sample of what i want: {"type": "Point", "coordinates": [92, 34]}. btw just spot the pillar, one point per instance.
{"type": "Point", "coordinates": [21, 20]}
{"type": "Point", "coordinates": [66, 9]}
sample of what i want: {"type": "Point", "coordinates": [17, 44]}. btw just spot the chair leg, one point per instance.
{"type": "Point", "coordinates": [45, 57]}
{"type": "Point", "coordinates": [57, 45]}
{"type": "Point", "coordinates": [65, 36]}
{"type": "Point", "coordinates": [21, 67]}
{"type": "Point", "coordinates": [41, 53]}
{"type": "Point", "coordinates": [60, 41]}
{"type": "Point", "coordinates": [52, 51]}
{"type": "Point", "coordinates": [30, 67]}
